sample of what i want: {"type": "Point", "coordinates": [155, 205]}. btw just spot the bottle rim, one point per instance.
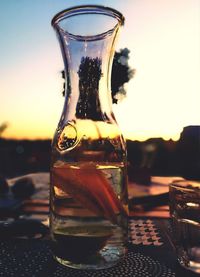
{"type": "Point", "coordinates": [87, 9]}
{"type": "Point", "coordinates": [92, 9]}
{"type": "Point", "coordinates": [184, 184]}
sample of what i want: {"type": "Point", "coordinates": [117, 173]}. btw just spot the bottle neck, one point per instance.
{"type": "Point", "coordinates": [88, 77]}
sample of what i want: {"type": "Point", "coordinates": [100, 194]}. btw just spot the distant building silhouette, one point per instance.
{"type": "Point", "coordinates": [188, 151]}
{"type": "Point", "coordinates": [154, 156]}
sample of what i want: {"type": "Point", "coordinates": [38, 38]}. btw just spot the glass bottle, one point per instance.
{"type": "Point", "coordinates": [88, 190]}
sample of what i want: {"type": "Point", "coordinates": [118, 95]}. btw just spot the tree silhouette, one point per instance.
{"type": "Point", "coordinates": [121, 74]}
{"type": "Point", "coordinates": [89, 75]}
{"type": "Point", "coordinates": [3, 127]}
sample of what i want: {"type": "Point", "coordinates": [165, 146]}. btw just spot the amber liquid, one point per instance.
{"type": "Point", "coordinates": [88, 214]}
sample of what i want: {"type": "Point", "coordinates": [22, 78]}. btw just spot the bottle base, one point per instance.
{"type": "Point", "coordinates": [104, 259]}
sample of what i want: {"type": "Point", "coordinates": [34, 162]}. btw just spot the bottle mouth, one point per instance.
{"type": "Point", "coordinates": [88, 22]}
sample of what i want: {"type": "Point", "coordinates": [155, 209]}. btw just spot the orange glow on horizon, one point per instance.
{"type": "Point", "coordinates": [162, 98]}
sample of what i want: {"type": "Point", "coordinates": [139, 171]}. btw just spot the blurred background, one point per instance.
{"type": "Point", "coordinates": [157, 107]}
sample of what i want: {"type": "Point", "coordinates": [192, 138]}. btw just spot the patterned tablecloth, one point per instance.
{"type": "Point", "coordinates": [150, 250]}
{"type": "Point", "coordinates": [150, 254]}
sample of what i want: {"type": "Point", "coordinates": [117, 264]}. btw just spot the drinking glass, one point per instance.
{"type": "Point", "coordinates": [185, 219]}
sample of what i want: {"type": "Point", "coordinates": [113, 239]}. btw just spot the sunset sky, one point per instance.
{"type": "Point", "coordinates": [163, 37]}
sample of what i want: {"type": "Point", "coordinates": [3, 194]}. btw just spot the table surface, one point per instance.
{"type": "Point", "coordinates": [150, 247]}
{"type": "Point", "coordinates": [150, 254]}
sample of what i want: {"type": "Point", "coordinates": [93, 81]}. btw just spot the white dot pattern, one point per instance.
{"type": "Point", "coordinates": [135, 265]}
{"type": "Point", "coordinates": [144, 232]}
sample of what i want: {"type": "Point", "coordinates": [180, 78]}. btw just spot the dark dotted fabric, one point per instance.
{"type": "Point", "coordinates": [24, 258]}
{"type": "Point", "coordinates": [135, 265]}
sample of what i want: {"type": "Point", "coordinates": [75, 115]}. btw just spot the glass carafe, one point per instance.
{"type": "Point", "coordinates": [88, 195]}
